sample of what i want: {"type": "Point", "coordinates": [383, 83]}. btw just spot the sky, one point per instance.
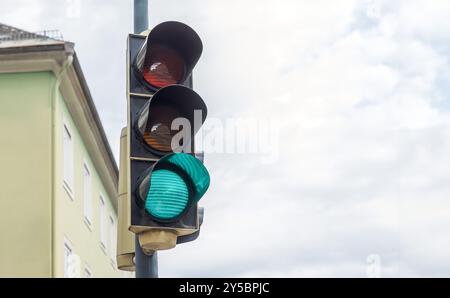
{"type": "Point", "coordinates": [350, 173]}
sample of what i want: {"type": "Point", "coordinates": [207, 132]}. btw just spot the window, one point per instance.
{"type": "Point", "coordinates": [67, 253]}
{"type": "Point", "coordinates": [68, 160]}
{"type": "Point", "coordinates": [87, 195]}
{"type": "Point", "coordinates": [112, 239]}
{"type": "Point", "coordinates": [87, 272]}
{"type": "Point", "coordinates": [102, 222]}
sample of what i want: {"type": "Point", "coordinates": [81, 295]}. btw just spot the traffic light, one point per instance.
{"type": "Point", "coordinates": [165, 179]}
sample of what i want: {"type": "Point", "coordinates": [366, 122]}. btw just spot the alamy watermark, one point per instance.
{"type": "Point", "coordinates": [259, 137]}
{"type": "Point", "coordinates": [373, 269]}
{"type": "Point", "coordinates": [373, 9]}
{"type": "Point", "coordinates": [73, 9]}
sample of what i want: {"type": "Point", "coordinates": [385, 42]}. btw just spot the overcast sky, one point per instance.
{"type": "Point", "coordinates": [359, 93]}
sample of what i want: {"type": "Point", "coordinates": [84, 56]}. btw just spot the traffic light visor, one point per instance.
{"type": "Point", "coordinates": [193, 170]}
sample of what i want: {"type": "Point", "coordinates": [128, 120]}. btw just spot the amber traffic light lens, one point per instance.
{"type": "Point", "coordinates": [159, 138]}
{"type": "Point", "coordinates": [164, 66]}
{"type": "Point", "coordinates": [157, 132]}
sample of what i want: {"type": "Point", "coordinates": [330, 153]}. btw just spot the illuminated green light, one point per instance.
{"type": "Point", "coordinates": [168, 195]}
{"type": "Point", "coordinates": [175, 180]}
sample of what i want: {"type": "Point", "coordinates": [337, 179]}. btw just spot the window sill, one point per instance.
{"type": "Point", "coordinates": [68, 190]}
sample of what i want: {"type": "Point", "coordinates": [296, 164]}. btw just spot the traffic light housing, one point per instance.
{"type": "Point", "coordinates": [125, 238]}
{"type": "Point", "coordinates": [166, 56]}
{"type": "Point", "coordinates": [165, 179]}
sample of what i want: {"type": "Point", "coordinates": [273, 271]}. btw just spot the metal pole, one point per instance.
{"type": "Point", "coordinates": [146, 266]}
{"type": "Point", "coordinates": [140, 16]}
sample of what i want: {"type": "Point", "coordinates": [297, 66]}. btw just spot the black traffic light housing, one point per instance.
{"type": "Point", "coordinates": [159, 90]}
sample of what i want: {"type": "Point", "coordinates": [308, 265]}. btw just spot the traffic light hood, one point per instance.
{"type": "Point", "coordinates": [184, 99]}
{"type": "Point", "coordinates": [192, 169]}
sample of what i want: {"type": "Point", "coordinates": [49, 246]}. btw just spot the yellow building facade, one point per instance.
{"type": "Point", "coordinates": [58, 177]}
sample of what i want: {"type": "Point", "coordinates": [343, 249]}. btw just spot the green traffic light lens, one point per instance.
{"type": "Point", "coordinates": [175, 181]}
{"type": "Point", "coordinates": [168, 195]}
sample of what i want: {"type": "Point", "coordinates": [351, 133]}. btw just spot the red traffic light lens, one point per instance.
{"type": "Point", "coordinates": [164, 66]}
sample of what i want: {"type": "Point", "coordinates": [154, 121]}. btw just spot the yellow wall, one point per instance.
{"type": "Point", "coordinates": [25, 185]}
{"type": "Point", "coordinates": [69, 220]}
{"type": "Point", "coordinates": [27, 248]}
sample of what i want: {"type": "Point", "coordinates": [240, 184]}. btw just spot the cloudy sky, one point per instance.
{"type": "Point", "coordinates": [356, 177]}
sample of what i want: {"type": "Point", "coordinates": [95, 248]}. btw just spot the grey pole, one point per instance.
{"type": "Point", "coordinates": [146, 266]}
{"type": "Point", "coordinates": [140, 16]}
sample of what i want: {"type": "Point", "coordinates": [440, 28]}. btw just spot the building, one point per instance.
{"type": "Point", "coordinates": [58, 177]}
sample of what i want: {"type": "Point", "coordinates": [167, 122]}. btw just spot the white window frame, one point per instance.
{"type": "Point", "coordinates": [87, 195]}
{"type": "Point", "coordinates": [87, 271]}
{"type": "Point", "coordinates": [67, 248]}
{"type": "Point", "coordinates": [112, 239]}
{"type": "Point", "coordinates": [68, 161]}
{"type": "Point", "coordinates": [102, 225]}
